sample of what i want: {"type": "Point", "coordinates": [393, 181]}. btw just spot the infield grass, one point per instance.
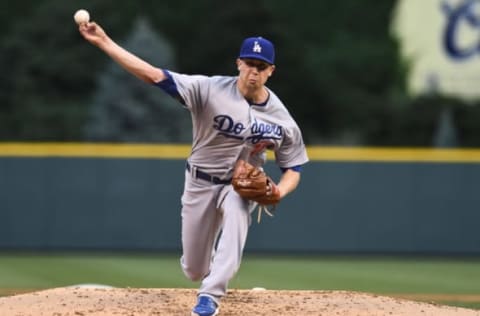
{"type": "Point", "coordinates": [452, 277]}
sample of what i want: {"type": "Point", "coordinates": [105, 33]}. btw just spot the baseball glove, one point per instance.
{"type": "Point", "coordinates": [254, 184]}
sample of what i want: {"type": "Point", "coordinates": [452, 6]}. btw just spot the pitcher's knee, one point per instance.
{"type": "Point", "coordinates": [194, 275]}
{"type": "Point", "coordinates": [195, 270]}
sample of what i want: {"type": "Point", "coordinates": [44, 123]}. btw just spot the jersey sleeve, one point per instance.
{"type": "Point", "coordinates": [190, 90]}
{"type": "Point", "coordinates": [292, 152]}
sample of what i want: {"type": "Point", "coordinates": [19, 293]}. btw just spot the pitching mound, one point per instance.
{"type": "Point", "coordinates": [80, 301]}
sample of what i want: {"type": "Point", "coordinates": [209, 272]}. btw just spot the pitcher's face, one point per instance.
{"type": "Point", "coordinates": [254, 73]}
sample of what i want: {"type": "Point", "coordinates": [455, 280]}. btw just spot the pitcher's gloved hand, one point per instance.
{"type": "Point", "coordinates": [254, 184]}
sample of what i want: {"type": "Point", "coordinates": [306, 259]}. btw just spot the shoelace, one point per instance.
{"type": "Point", "coordinates": [261, 209]}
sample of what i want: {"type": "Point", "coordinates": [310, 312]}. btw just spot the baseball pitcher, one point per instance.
{"type": "Point", "coordinates": [235, 120]}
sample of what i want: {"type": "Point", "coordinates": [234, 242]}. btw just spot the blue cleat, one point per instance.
{"type": "Point", "coordinates": [206, 306]}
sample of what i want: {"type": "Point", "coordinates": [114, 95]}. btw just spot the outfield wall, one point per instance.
{"type": "Point", "coordinates": [354, 204]}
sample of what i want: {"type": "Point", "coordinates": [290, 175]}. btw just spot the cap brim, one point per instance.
{"type": "Point", "coordinates": [258, 57]}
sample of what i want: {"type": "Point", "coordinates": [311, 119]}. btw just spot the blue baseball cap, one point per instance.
{"type": "Point", "coordinates": [258, 48]}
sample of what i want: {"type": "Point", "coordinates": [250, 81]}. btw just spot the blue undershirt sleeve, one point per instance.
{"type": "Point", "coordinates": [294, 168]}
{"type": "Point", "coordinates": [169, 86]}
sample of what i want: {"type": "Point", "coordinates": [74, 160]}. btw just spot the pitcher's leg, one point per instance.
{"type": "Point", "coordinates": [200, 225]}
{"type": "Point", "coordinates": [227, 259]}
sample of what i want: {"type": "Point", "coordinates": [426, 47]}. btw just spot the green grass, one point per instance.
{"type": "Point", "coordinates": [378, 275]}
{"type": "Point", "coordinates": [46, 271]}
{"type": "Point", "coordinates": [366, 274]}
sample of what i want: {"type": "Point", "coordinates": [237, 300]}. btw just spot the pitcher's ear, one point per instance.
{"type": "Point", "coordinates": [272, 70]}
{"type": "Point", "coordinates": [238, 62]}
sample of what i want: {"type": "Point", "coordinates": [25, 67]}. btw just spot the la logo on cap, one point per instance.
{"type": "Point", "coordinates": [256, 47]}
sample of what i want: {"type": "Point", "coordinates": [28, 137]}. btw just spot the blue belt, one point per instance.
{"type": "Point", "coordinates": [205, 176]}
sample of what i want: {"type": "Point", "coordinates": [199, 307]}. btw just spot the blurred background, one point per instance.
{"type": "Point", "coordinates": [394, 73]}
{"type": "Point", "coordinates": [385, 92]}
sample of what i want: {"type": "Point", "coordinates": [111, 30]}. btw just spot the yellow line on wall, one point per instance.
{"type": "Point", "coordinates": [174, 151]}
{"type": "Point", "coordinates": [93, 150]}
{"type": "Point", "coordinates": [394, 154]}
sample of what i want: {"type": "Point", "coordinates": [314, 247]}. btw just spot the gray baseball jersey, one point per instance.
{"type": "Point", "coordinates": [224, 123]}
{"type": "Point", "coordinates": [225, 127]}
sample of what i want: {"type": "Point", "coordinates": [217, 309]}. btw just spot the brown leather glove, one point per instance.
{"type": "Point", "coordinates": [254, 184]}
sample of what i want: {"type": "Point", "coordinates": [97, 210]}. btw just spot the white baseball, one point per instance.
{"type": "Point", "coordinates": [81, 16]}
{"type": "Point", "coordinates": [258, 289]}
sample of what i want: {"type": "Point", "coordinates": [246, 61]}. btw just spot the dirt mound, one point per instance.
{"type": "Point", "coordinates": [78, 301]}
